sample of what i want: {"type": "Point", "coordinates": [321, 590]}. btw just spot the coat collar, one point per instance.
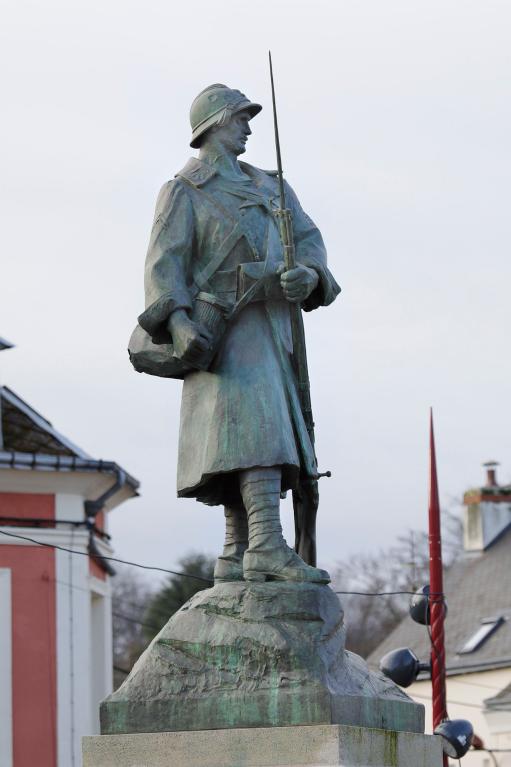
{"type": "Point", "coordinates": [199, 173]}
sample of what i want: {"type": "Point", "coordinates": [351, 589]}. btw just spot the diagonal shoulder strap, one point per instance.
{"type": "Point", "coordinates": [202, 277]}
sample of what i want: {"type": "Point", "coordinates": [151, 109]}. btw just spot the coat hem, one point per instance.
{"type": "Point", "coordinates": [221, 488]}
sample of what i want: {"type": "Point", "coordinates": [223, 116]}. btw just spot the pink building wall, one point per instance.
{"type": "Point", "coordinates": [34, 682]}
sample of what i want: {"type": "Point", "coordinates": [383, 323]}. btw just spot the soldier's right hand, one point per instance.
{"type": "Point", "coordinates": [190, 340]}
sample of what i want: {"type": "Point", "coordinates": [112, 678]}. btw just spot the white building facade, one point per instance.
{"type": "Point", "coordinates": [55, 606]}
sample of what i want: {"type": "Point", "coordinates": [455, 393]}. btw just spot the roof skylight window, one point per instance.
{"type": "Point", "coordinates": [485, 630]}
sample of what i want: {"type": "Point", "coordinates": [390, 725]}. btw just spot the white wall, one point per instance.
{"type": "Point", "coordinates": [84, 637]}
{"type": "Point", "coordinates": [100, 649]}
{"type": "Point", "coordinates": [484, 521]}
{"type": "Point", "coordinates": [73, 657]}
{"type": "Point", "coordinates": [466, 694]}
{"type": "Point", "coordinates": [499, 725]}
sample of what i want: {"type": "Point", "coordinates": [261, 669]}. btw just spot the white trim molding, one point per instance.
{"type": "Point", "coordinates": [69, 506]}
{"type": "Point", "coordinates": [51, 536]}
{"type": "Point", "coordinates": [73, 666]}
{"type": "Point", "coordinates": [6, 751]}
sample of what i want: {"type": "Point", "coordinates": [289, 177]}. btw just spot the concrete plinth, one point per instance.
{"type": "Point", "coordinates": [314, 745]}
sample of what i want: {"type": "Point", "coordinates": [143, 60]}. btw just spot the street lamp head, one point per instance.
{"type": "Point", "coordinates": [419, 606]}
{"type": "Point", "coordinates": [456, 736]}
{"type": "Point", "coordinates": [419, 609]}
{"type": "Point", "coordinates": [402, 666]}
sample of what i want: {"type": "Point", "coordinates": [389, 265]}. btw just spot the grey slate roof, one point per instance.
{"type": "Point", "coordinates": [29, 441]}
{"type": "Point", "coordinates": [25, 430]}
{"type": "Point", "coordinates": [501, 701]}
{"type": "Point", "coordinates": [477, 587]}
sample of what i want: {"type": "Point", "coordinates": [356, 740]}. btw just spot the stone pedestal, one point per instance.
{"type": "Point", "coordinates": [312, 746]}
{"type": "Point", "coordinates": [256, 655]}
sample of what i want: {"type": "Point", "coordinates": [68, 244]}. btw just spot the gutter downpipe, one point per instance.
{"type": "Point", "coordinates": [92, 508]}
{"type": "Point", "coordinates": [12, 459]}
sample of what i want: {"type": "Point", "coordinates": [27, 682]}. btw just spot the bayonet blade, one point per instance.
{"type": "Point", "coordinates": [277, 140]}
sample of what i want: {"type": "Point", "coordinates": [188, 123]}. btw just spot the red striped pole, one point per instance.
{"type": "Point", "coordinates": [436, 590]}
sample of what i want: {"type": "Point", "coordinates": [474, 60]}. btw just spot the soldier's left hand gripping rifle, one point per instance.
{"type": "Point", "coordinates": [306, 495]}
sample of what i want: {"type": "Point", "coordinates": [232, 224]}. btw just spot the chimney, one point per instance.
{"type": "Point", "coordinates": [491, 473]}
{"type": "Point", "coordinates": [488, 511]}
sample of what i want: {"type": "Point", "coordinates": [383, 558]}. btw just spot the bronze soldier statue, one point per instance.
{"type": "Point", "coordinates": [218, 315]}
{"type": "Point", "coordinates": [232, 261]}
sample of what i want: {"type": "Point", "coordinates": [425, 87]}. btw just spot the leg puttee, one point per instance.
{"type": "Point", "coordinates": [268, 557]}
{"type": "Point", "coordinates": [229, 565]}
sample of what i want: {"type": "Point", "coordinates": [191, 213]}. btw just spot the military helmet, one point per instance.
{"type": "Point", "coordinates": [215, 105]}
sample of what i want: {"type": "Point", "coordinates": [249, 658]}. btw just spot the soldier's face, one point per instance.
{"type": "Point", "coordinates": [233, 136]}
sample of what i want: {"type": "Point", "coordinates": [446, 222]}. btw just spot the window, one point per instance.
{"type": "Point", "coordinates": [487, 627]}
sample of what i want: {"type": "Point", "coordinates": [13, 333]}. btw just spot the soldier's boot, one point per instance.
{"type": "Point", "coordinates": [229, 565]}
{"type": "Point", "coordinates": [268, 557]}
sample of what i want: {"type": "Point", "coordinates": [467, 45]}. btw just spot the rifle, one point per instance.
{"type": "Point", "coordinates": [306, 495]}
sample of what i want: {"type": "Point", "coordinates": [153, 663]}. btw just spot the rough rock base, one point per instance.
{"type": "Point", "coordinates": [256, 655]}
{"type": "Point", "coordinates": [318, 746]}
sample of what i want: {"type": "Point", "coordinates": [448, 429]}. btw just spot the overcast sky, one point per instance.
{"type": "Point", "coordinates": [395, 126]}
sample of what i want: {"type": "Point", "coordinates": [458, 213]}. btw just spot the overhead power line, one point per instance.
{"type": "Point", "coordinates": [137, 621]}
{"type": "Point", "coordinates": [201, 578]}
{"type": "Point", "coordinates": [388, 594]}
{"type": "Point", "coordinates": [109, 559]}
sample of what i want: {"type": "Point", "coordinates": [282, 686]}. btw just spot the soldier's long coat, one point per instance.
{"type": "Point", "coordinates": [243, 412]}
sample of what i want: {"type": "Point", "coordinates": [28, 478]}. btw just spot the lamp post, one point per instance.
{"type": "Point", "coordinates": [429, 609]}
{"type": "Point", "coordinates": [436, 595]}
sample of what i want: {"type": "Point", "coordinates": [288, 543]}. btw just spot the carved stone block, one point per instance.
{"type": "Point", "coordinates": [256, 655]}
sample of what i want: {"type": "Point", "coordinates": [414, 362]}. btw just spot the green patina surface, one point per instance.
{"type": "Point", "coordinates": [254, 655]}
{"type": "Point", "coordinates": [390, 752]}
